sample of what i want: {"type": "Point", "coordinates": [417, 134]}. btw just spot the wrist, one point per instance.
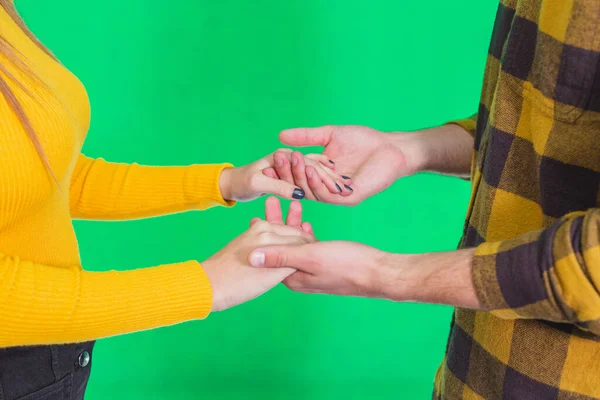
{"type": "Point", "coordinates": [446, 149]}
{"type": "Point", "coordinates": [225, 185]}
{"type": "Point", "coordinates": [395, 280]}
{"type": "Point", "coordinates": [413, 147]}
{"type": "Point", "coordinates": [436, 278]}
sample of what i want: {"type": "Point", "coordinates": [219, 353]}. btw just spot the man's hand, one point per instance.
{"type": "Point", "coordinates": [343, 268]}
{"type": "Point", "coordinates": [367, 156]}
{"type": "Point", "coordinates": [374, 159]}
{"type": "Point", "coordinates": [354, 269]}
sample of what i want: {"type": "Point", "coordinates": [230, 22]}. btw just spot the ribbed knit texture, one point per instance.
{"type": "Point", "coordinates": [45, 295]}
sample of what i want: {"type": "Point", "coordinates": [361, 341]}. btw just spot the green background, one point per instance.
{"type": "Point", "coordinates": [198, 81]}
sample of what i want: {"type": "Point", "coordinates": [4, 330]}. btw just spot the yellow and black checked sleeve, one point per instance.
{"type": "Point", "coordinates": [469, 124]}
{"type": "Point", "coordinates": [551, 274]}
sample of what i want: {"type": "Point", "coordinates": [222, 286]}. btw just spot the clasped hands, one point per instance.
{"type": "Point", "coordinates": [357, 162]}
{"type": "Point", "coordinates": [272, 251]}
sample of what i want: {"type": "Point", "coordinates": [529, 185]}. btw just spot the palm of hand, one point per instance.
{"type": "Point", "coordinates": [367, 156]}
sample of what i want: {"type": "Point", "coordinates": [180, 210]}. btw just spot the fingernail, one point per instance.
{"type": "Point", "coordinates": [331, 161]}
{"type": "Point", "coordinates": [257, 259]}
{"type": "Point", "coordinates": [309, 172]}
{"type": "Point", "coordinates": [279, 161]}
{"type": "Point", "coordinates": [294, 161]}
{"type": "Point", "coordinates": [339, 188]}
{"type": "Point", "coordinates": [349, 188]}
{"type": "Point", "coordinates": [298, 194]}
{"type": "Point", "coordinates": [345, 177]}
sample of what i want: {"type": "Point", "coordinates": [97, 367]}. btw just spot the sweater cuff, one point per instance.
{"type": "Point", "coordinates": [201, 186]}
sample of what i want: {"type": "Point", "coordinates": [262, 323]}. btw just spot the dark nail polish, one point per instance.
{"type": "Point", "coordinates": [349, 188]}
{"type": "Point", "coordinates": [339, 188]}
{"type": "Point", "coordinates": [331, 161]}
{"type": "Point", "coordinates": [298, 194]}
{"type": "Point", "coordinates": [345, 177]}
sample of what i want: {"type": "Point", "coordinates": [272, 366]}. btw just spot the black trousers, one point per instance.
{"type": "Point", "coordinates": [58, 372]}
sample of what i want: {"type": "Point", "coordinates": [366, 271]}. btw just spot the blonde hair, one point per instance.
{"type": "Point", "coordinates": [13, 55]}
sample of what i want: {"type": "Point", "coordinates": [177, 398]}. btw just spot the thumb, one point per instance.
{"type": "Point", "coordinates": [278, 187]}
{"type": "Point", "coordinates": [279, 257]}
{"type": "Point", "coordinates": [299, 137]}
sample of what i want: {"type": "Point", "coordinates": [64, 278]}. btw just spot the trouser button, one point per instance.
{"type": "Point", "coordinates": [84, 359]}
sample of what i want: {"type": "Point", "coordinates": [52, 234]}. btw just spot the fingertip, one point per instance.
{"type": "Point", "coordinates": [310, 172]}
{"type": "Point", "coordinates": [307, 227]}
{"type": "Point", "coordinates": [283, 134]}
{"type": "Point", "coordinates": [294, 217]}
{"type": "Point", "coordinates": [298, 194]}
{"type": "Point", "coordinates": [273, 211]}
{"type": "Point", "coordinates": [296, 158]}
{"type": "Point", "coordinates": [296, 205]}
{"type": "Point", "coordinates": [286, 136]}
{"type": "Point", "coordinates": [279, 159]}
{"type": "Point", "coordinates": [254, 221]}
{"type": "Point", "coordinates": [272, 200]}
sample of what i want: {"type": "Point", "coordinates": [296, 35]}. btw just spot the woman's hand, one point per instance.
{"type": "Point", "coordinates": [281, 173]}
{"type": "Point", "coordinates": [232, 278]}
{"type": "Point", "coordinates": [315, 174]}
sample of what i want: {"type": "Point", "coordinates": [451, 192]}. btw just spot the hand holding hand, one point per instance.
{"type": "Point", "coordinates": [260, 177]}
{"type": "Point", "coordinates": [232, 278]}
{"type": "Point", "coordinates": [342, 268]}
{"type": "Point", "coordinates": [312, 170]}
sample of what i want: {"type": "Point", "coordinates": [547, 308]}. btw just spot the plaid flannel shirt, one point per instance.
{"type": "Point", "coordinates": [534, 218]}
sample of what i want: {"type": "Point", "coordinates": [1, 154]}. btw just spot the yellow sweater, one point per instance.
{"type": "Point", "coordinates": [45, 295]}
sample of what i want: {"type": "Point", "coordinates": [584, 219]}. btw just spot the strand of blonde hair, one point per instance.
{"type": "Point", "coordinates": [13, 56]}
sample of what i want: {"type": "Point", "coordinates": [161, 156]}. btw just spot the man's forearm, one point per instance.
{"type": "Point", "coordinates": [447, 149]}
{"type": "Point", "coordinates": [440, 278]}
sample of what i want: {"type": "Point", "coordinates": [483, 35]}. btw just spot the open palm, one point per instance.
{"type": "Point", "coordinates": [364, 154]}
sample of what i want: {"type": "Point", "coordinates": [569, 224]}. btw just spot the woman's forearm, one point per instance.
{"type": "Point", "coordinates": [41, 304]}
{"type": "Point", "coordinates": [112, 191]}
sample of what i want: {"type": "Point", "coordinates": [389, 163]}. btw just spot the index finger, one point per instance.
{"type": "Point", "coordinates": [273, 213]}
{"type": "Point", "coordinates": [294, 217]}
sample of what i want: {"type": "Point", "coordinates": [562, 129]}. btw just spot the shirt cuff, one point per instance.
{"type": "Point", "coordinates": [469, 124]}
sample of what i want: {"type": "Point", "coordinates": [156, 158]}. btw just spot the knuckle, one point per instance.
{"type": "Point", "coordinates": [281, 260]}
{"type": "Point", "coordinates": [265, 238]}
{"type": "Point", "coordinates": [253, 181]}
{"type": "Point", "coordinates": [261, 226]}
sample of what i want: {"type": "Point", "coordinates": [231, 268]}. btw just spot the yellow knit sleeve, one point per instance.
{"type": "Point", "coordinates": [113, 191]}
{"type": "Point", "coordinates": [40, 304]}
